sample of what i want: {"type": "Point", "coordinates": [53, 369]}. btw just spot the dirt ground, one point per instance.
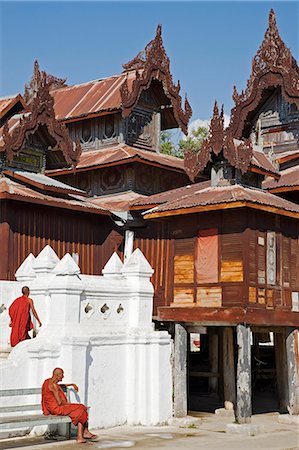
{"type": "Point", "coordinates": [199, 431]}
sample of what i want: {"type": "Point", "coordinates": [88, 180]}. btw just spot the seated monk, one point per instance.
{"type": "Point", "coordinates": [55, 402]}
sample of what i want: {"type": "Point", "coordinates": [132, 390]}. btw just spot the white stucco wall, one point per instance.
{"type": "Point", "coordinates": [99, 330]}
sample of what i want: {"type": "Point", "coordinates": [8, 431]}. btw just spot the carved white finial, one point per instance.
{"type": "Point", "coordinates": [137, 265]}
{"type": "Point", "coordinates": [67, 266]}
{"type": "Point", "coordinates": [26, 271]}
{"type": "Point", "coordinates": [113, 267]}
{"type": "Point", "coordinates": [46, 260]}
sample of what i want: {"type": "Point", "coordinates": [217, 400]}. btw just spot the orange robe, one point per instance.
{"type": "Point", "coordinates": [76, 411]}
{"type": "Point", "coordinates": [19, 312]}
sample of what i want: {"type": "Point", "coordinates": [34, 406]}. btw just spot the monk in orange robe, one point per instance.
{"type": "Point", "coordinates": [55, 402]}
{"type": "Point", "coordinates": [19, 312]}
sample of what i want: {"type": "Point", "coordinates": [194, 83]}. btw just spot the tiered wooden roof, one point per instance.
{"type": "Point", "coordinates": [15, 131]}
{"type": "Point", "coordinates": [241, 154]}
{"type": "Point", "coordinates": [273, 66]}
{"type": "Point", "coordinates": [121, 154]}
{"type": "Point", "coordinates": [121, 92]}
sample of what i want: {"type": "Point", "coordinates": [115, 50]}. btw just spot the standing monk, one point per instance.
{"type": "Point", "coordinates": [55, 402]}
{"type": "Point", "coordinates": [19, 312]}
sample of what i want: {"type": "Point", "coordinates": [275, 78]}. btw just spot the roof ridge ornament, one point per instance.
{"type": "Point", "coordinates": [32, 87]}
{"type": "Point", "coordinates": [153, 63]}
{"type": "Point", "coordinates": [42, 113]}
{"type": "Point", "coordinates": [272, 66]}
{"type": "Point", "coordinates": [239, 154]}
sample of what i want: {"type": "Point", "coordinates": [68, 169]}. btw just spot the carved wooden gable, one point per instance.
{"type": "Point", "coordinates": [272, 67]}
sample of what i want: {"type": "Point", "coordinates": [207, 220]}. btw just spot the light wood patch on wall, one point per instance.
{"type": "Point", "coordinates": [231, 271]}
{"type": "Point", "coordinates": [183, 269]}
{"type": "Point", "coordinates": [261, 296]}
{"type": "Point", "coordinates": [270, 302]}
{"type": "Point", "coordinates": [209, 297]}
{"type": "Point", "coordinates": [252, 294]}
{"type": "Point", "coordinates": [183, 295]}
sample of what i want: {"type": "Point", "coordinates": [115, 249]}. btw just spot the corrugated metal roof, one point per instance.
{"type": "Point", "coordinates": [223, 195]}
{"type": "Point", "coordinates": [47, 181]}
{"type": "Point", "coordinates": [16, 191]}
{"type": "Point", "coordinates": [117, 202]}
{"type": "Point", "coordinates": [288, 178]}
{"type": "Point", "coordinates": [121, 152]}
{"type": "Point", "coordinates": [167, 196]}
{"type": "Point", "coordinates": [89, 99]}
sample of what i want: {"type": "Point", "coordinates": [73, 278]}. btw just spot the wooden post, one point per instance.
{"type": "Point", "coordinates": [213, 355]}
{"type": "Point", "coordinates": [4, 242]}
{"type": "Point", "coordinates": [243, 406]}
{"type": "Point", "coordinates": [180, 371]}
{"type": "Point", "coordinates": [281, 369]}
{"type": "Point", "coordinates": [292, 350]}
{"type": "Point", "coordinates": [229, 380]}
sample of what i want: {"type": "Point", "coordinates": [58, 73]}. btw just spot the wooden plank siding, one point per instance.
{"type": "Point", "coordinates": [27, 229]}
{"type": "Point", "coordinates": [244, 263]}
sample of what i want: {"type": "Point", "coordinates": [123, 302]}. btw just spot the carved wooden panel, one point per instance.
{"type": "Point", "coordinates": [142, 129]}
{"type": "Point", "coordinates": [271, 258]}
{"type": "Point", "coordinates": [261, 258]}
{"type": "Point", "coordinates": [286, 266]}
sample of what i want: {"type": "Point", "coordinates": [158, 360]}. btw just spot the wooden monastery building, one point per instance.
{"type": "Point", "coordinates": [232, 258]}
{"type": "Point", "coordinates": [81, 170]}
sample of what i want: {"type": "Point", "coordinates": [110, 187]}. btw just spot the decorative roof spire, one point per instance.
{"type": "Point", "coordinates": [238, 154]}
{"type": "Point", "coordinates": [41, 113]}
{"type": "Point", "coordinates": [272, 66]}
{"type": "Point", "coordinates": [39, 77]}
{"type": "Point", "coordinates": [153, 64]}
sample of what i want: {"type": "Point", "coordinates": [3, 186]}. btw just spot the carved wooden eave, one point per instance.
{"type": "Point", "coordinates": [219, 139]}
{"type": "Point", "coordinates": [153, 64]}
{"type": "Point", "coordinates": [273, 66]}
{"type": "Point", "coordinates": [42, 113]}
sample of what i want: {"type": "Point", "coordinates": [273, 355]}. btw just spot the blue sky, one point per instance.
{"type": "Point", "coordinates": [210, 44]}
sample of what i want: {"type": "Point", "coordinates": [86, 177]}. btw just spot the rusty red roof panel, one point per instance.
{"type": "Point", "coordinates": [121, 152]}
{"type": "Point", "coordinates": [168, 196]}
{"type": "Point", "coordinates": [116, 202]}
{"type": "Point", "coordinates": [288, 178]}
{"type": "Point", "coordinates": [260, 160]}
{"type": "Point", "coordinates": [225, 194]}
{"type": "Point", "coordinates": [88, 99]}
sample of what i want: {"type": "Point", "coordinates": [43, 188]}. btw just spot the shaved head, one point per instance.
{"type": "Point", "coordinates": [57, 371]}
{"type": "Point", "coordinates": [25, 290]}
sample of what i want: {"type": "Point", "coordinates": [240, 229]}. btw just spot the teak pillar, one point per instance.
{"type": "Point", "coordinates": [213, 351]}
{"type": "Point", "coordinates": [180, 371]}
{"type": "Point", "coordinates": [292, 350]}
{"type": "Point", "coordinates": [229, 380]}
{"type": "Point", "coordinates": [243, 406]}
{"type": "Point", "coordinates": [281, 369]}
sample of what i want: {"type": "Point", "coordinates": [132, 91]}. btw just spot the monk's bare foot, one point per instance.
{"type": "Point", "coordinates": [81, 441]}
{"type": "Point", "coordinates": [90, 436]}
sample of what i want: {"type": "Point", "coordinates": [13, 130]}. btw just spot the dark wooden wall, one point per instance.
{"type": "Point", "coordinates": [26, 228]}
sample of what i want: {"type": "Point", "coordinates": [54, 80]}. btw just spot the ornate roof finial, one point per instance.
{"type": "Point", "coordinates": [272, 66]}
{"type": "Point", "coordinates": [38, 79]}
{"type": "Point", "coordinates": [153, 64]}
{"type": "Point", "coordinates": [219, 139]}
{"type": "Point", "coordinates": [41, 113]}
